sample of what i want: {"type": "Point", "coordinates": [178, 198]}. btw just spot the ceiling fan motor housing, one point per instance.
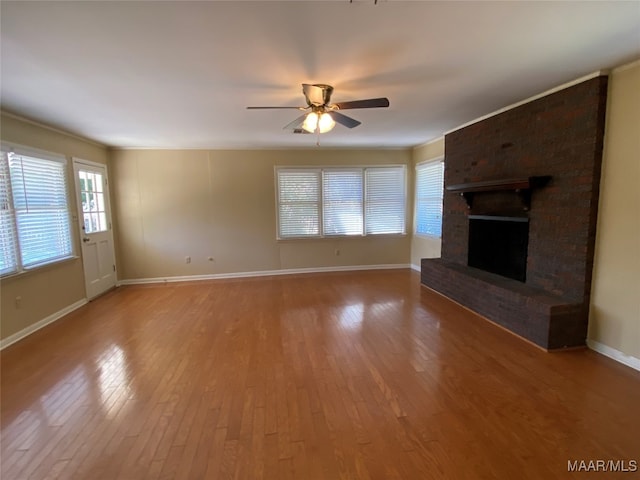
{"type": "Point", "coordinates": [317, 94]}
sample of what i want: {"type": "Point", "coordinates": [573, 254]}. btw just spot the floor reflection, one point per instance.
{"type": "Point", "coordinates": [355, 315]}
{"type": "Point", "coordinates": [351, 316]}
{"type": "Point", "coordinates": [48, 411]}
{"type": "Point", "coordinates": [114, 384]}
{"type": "Point", "coordinates": [73, 389]}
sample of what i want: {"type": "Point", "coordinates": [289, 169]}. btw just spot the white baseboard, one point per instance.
{"type": "Point", "coordinates": [10, 340]}
{"type": "Point", "coordinates": [617, 355]}
{"type": "Point", "coordinates": [416, 267]}
{"type": "Point", "coordinates": [263, 273]}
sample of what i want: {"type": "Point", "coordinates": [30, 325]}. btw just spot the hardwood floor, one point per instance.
{"type": "Point", "coordinates": [362, 375]}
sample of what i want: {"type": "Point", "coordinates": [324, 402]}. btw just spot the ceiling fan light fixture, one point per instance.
{"type": "Point", "coordinates": [326, 123]}
{"type": "Point", "coordinates": [315, 121]}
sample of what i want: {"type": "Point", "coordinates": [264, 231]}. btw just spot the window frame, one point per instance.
{"type": "Point", "coordinates": [416, 199]}
{"type": "Point", "coordinates": [46, 156]}
{"type": "Point", "coordinates": [362, 169]}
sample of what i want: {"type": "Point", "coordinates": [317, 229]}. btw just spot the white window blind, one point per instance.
{"type": "Point", "coordinates": [385, 200]}
{"type": "Point", "coordinates": [8, 257]}
{"type": "Point", "coordinates": [429, 189]}
{"type": "Point", "coordinates": [342, 202]}
{"type": "Point", "coordinates": [298, 203]}
{"type": "Point", "coordinates": [36, 226]}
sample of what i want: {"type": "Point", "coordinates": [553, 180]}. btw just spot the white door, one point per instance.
{"type": "Point", "coordinates": [94, 216]}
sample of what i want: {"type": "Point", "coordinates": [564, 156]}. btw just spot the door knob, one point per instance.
{"type": "Point", "coordinates": [86, 239]}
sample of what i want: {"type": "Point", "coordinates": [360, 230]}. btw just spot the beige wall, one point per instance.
{"type": "Point", "coordinates": [615, 301]}
{"type": "Point", "coordinates": [422, 246]}
{"type": "Point", "coordinates": [215, 203]}
{"type": "Point", "coordinates": [49, 289]}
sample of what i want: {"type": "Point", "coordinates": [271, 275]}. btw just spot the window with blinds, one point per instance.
{"type": "Point", "coordinates": [341, 201]}
{"type": "Point", "coordinates": [428, 205]}
{"type": "Point", "coordinates": [34, 208]}
{"type": "Point", "coordinates": [299, 203]}
{"type": "Point", "coordinates": [385, 200]}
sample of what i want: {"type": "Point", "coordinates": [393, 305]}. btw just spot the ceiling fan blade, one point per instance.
{"type": "Point", "coordinates": [344, 120]}
{"type": "Point", "coordinates": [369, 103]}
{"type": "Point", "coordinates": [265, 108]}
{"type": "Point", "coordinates": [295, 124]}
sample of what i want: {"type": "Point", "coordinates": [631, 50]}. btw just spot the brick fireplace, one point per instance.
{"type": "Point", "coordinates": [519, 215]}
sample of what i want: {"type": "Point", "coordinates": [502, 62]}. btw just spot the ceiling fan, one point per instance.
{"type": "Point", "coordinates": [324, 115]}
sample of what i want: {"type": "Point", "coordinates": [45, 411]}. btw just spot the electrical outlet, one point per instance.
{"type": "Point", "coordinates": [18, 301]}
{"type": "Point", "coordinates": [337, 252]}
{"type": "Point", "coordinates": [187, 259]}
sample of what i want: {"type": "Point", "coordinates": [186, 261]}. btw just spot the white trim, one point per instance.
{"type": "Point", "coordinates": [262, 273]}
{"type": "Point", "coordinates": [52, 129]}
{"type": "Point", "coordinates": [617, 355]}
{"type": "Point", "coordinates": [417, 268]}
{"type": "Point", "coordinates": [531, 99]}
{"type": "Point", "coordinates": [11, 339]}
{"type": "Point", "coordinates": [236, 147]}
{"type": "Point", "coordinates": [90, 163]}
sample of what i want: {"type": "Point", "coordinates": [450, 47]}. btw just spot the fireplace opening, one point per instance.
{"type": "Point", "coordinates": [499, 245]}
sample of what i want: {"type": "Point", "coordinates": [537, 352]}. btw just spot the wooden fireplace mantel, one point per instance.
{"type": "Point", "coordinates": [521, 186]}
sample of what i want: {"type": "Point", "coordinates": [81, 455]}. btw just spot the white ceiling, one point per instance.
{"type": "Point", "coordinates": [180, 74]}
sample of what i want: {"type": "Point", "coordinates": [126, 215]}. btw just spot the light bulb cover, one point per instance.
{"type": "Point", "coordinates": [326, 123]}
{"type": "Point", "coordinates": [310, 122]}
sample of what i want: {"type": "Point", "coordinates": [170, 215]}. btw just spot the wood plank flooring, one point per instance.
{"type": "Point", "coordinates": [359, 375]}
